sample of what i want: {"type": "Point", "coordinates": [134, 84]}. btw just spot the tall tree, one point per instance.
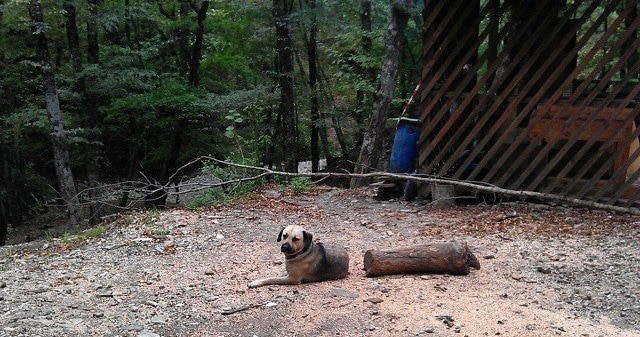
{"type": "Point", "coordinates": [190, 55]}
{"type": "Point", "coordinates": [52, 105]}
{"type": "Point", "coordinates": [312, 54]}
{"type": "Point", "coordinates": [371, 150]}
{"type": "Point", "coordinates": [73, 38]}
{"type": "Point", "coordinates": [93, 57]}
{"type": "Point", "coordinates": [365, 71]}
{"type": "Point", "coordinates": [284, 49]}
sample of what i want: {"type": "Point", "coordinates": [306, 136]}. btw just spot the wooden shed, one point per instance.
{"type": "Point", "coordinates": [533, 95]}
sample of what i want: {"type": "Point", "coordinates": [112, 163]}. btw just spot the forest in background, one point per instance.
{"type": "Point", "coordinates": [144, 87]}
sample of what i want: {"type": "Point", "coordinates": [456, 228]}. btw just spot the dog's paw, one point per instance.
{"type": "Point", "coordinates": [254, 284]}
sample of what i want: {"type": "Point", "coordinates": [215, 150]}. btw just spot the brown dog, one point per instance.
{"type": "Point", "coordinates": [307, 261]}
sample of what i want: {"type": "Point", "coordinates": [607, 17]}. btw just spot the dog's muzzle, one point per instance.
{"type": "Point", "coordinates": [286, 248]}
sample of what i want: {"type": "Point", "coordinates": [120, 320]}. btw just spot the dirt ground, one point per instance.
{"type": "Point", "coordinates": [546, 271]}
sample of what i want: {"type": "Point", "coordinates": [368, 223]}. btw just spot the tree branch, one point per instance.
{"type": "Point", "coordinates": [146, 188]}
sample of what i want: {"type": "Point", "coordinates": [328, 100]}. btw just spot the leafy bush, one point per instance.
{"type": "Point", "coordinates": [236, 188]}
{"type": "Point", "coordinates": [301, 185]}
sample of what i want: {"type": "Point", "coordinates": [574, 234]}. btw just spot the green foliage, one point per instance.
{"type": "Point", "coordinates": [239, 183]}
{"type": "Point", "coordinates": [83, 236]}
{"type": "Point", "coordinates": [144, 97]}
{"type": "Point", "coordinates": [301, 185]}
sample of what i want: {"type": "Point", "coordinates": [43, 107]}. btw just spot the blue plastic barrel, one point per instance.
{"type": "Point", "coordinates": [405, 146]}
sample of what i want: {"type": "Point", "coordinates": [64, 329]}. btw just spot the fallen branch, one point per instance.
{"type": "Point", "coordinates": [146, 189]}
{"type": "Point", "coordinates": [229, 311]}
{"type": "Point", "coordinates": [480, 186]}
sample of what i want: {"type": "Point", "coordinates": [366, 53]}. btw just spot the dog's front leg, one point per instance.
{"type": "Point", "coordinates": [283, 280]}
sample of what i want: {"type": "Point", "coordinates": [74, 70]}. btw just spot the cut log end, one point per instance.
{"type": "Point", "coordinates": [439, 258]}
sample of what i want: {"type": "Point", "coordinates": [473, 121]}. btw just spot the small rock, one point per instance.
{"type": "Point", "coordinates": [209, 272]}
{"type": "Point", "coordinates": [147, 333]}
{"type": "Point", "coordinates": [337, 292]}
{"type": "Point", "coordinates": [489, 257]}
{"type": "Point", "coordinates": [446, 319]}
{"type": "Point", "coordinates": [517, 277]}
{"type": "Point", "coordinates": [440, 287]}
{"type": "Point", "coordinates": [371, 328]}
{"type": "Point", "coordinates": [3, 284]}
{"type": "Point", "coordinates": [374, 300]}
{"type": "Point", "coordinates": [70, 324]}
{"type": "Point", "coordinates": [270, 304]}
{"type": "Point", "coordinates": [151, 303]}
{"type": "Point", "coordinates": [44, 321]}
{"type": "Point", "coordinates": [159, 319]}
{"type": "Point", "coordinates": [105, 294]}
{"type": "Point", "coordinates": [457, 329]}
{"type": "Point", "coordinates": [544, 270]}
{"type": "Point", "coordinates": [211, 298]}
{"type": "Point", "coordinates": [98, 314]}
{"type": "Point", "coordinates": [374, 313]}
{"type": "Point", "coordinates": [219, 236]}
{"type": "Point", "coordinates": [429, 330]}
{"type": "Point", "coordinates": [134, 327]}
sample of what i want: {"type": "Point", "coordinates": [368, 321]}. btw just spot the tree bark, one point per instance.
{"type": "Point", "coordinates": [439, 258]}
{"type": "Point", "coordinates": [312, 53]}
{"type": "Point", "coordinates": [196, 54]}
{"type": "Point", "coordinates": [284, 46]}
{"type": "Point", "coordinates": [372, 141]}
{"type": "Point", "coordinates": [93, 46]}
{"type": "Point", "coordinates": [93, 57]}
{"type": "Point", "coordinates": [189, 56]}
{"type": "Point", "coordinates": [367, 73]}
{"type": "Point", "coordinates": [73, 39]}
{"type": "Point", "coordinates": [4, 186]}
{"type": "Point", "coordinates": [52, 103]}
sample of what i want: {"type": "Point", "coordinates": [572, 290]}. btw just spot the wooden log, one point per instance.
{"type": "Point", "coordinates": [437, 258]}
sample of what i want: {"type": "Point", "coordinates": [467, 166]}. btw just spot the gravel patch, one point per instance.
{"type": "Point", "coordinates": [546, 271]}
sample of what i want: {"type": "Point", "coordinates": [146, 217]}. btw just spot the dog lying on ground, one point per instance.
{"type": "Point", "coordinates": [307, 261]}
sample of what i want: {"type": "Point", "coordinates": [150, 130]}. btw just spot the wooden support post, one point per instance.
{"type": "Point", "coordinates": [438, 258]}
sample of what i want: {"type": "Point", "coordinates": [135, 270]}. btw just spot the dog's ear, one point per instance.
{"type": "Point", "coordinates": [307, 236]}
{"type": "Point", "coordinates": [280, 234]}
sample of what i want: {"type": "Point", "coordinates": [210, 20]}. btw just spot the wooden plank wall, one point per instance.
{"type": "Point", "coordinates": [533, 95]}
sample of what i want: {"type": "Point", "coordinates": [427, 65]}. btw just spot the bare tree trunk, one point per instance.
{"type": "Point", "coordinates": [73, 39]}
{"type": "Point", "coordinates": [284, 45]}
{"type": "Point", "coordinates": [196, 54]}
{"type": "Point", "coordinates": [4, 186]}
{"type": "Point", "coordinates": [93, 57]}
{"type": "Point", "coordinates": [52, 104]}
{"type": "Point", "coordinates": [363, 97]}
{"type": "Point", "coordinates": [313, 79]}
{"type": "Point", "coordinates": [371, 150]}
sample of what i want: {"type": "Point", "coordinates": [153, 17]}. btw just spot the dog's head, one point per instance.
{"type": "Point", "coordinates": [294, 239]}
